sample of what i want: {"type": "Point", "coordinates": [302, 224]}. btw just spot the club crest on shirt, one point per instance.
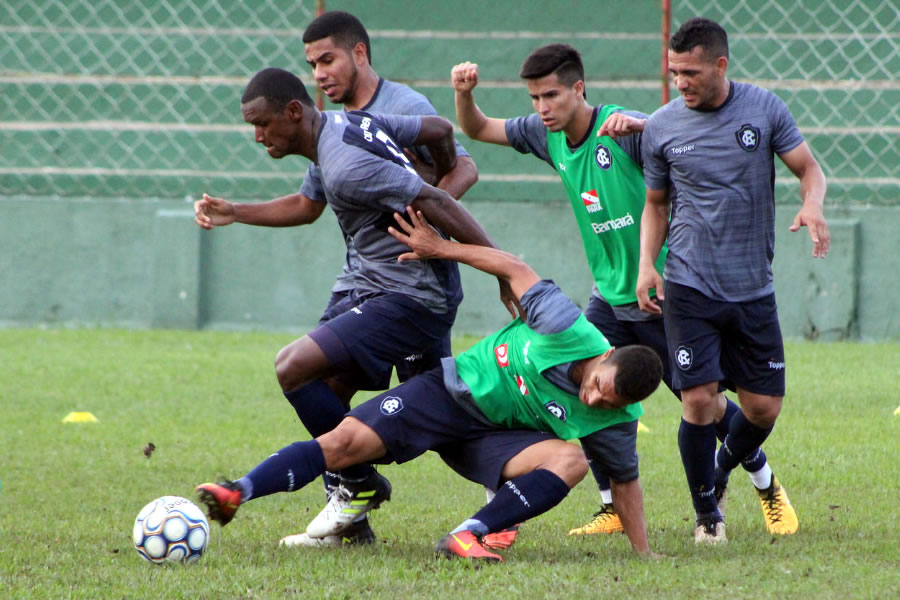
{"type": "Point", "coordinates": [391, 405]}
{"type": "Point", "coordinates": [603, 157]}
{"type": "Point", "coordinates": [747, 137]}
{"type": "Point", "coordinates": [556, 410]}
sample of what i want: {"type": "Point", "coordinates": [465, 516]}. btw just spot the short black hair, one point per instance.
{"type": "Point", "coordinates": [638, 372]}
{"type": "Point", "coordinates": [346, 30]}
{"type": "Point", "coordinates": [562, 59]}
{"type": "Point", "coordinates": [705, 33]}
{"type": "Point", "coordinates": [278, 87]}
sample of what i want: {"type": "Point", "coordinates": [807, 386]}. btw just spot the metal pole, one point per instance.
{"type": "Point", "coordinates": [320, 96]}
{"type": "Point", "coordinates": [666, 29]}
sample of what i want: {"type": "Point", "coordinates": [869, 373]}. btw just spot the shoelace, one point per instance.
{"type": "Point", "coordinates": [338, 498]}
{"type": "Point", "coordinates": [604, 514]}
{"type": "Point", "coordinates": [773, 506]}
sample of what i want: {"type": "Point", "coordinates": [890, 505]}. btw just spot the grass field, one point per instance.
{"type": "Point", "coordinates": [210, 404]}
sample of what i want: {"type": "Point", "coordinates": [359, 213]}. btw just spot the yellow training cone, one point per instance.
{"type": "Point", "coordinates": [80, 417]}
{"type": "Point", "coordinates": [643, 428]}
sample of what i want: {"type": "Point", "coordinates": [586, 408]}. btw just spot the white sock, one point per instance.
{"type": "Point", "coordinates": [763, 478]}
{"type": "Point", "coordinates": [606, 496]}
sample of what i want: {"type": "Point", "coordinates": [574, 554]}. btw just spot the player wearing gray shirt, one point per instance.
{"type": "Point", "coordinates": [722, 163]}
{"type": "Point", "coordinates": [403, 307]}
{"type": "Point", "coordinates": [389, 98]}
{"type": "Point", "coordinates": [716, 144]}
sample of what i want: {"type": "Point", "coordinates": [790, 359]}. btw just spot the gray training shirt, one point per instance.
{"type": "Point", "coordinates": [393, 99]}
{"type": "Point", "coordinates": [365, 178]}
{"type": "Point", "coordinates": [722, 229]}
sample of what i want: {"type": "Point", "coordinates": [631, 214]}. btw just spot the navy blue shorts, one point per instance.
{"type": "Point", "coordinates": [614, 450]}
{"type": "Point", "coordinates": [711, 340]}
{"type": "Point", "coordinates": [367, 339]}
{"type": "Point", "coordinates": [650, 333]}
{"type": "Point", "coordinates": [420, 415]}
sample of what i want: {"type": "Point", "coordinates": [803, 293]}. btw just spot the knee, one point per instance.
{"type": "Point", "coordinates": [700, 405]}
{"type": "Point", "coordinates": [762, 413]}
{"type": "Point", "coordinates": [283, 369]}
{"type": "Point", "coordinates": [337, 446]}
{"type": "Point", "coordinates": [570, 465]}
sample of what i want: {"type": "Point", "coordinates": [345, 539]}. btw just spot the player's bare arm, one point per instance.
{"type": "Point", "coordinates": [427, 244]}
{"type": "Point", "coordinates": [474, 124]}
{"type": "Point", "coordinates": [812, 189]}
{"type": "Point", "coordinates": [286, 211]}
{"type": "Point", "coordinates": [450, 216]}
{"type": "Point", "coordinates": [620, 125]}
{"type": "Point", "coordinates": [461, 178]}
{"type": "Point", "coordinates": [436, 134]}
{"type": "Point", "coordinates": [654, 228]}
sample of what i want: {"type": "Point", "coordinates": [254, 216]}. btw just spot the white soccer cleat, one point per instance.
{"type": "Point", "coordinates": [348, 503]}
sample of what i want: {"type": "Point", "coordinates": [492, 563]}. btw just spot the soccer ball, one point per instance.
{"type": "Point", "coordinates": [171, 529]}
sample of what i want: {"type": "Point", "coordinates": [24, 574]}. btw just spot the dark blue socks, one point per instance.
{"type": "Point", "coordinates": [743, 439]}
{"type": "Point", "coordinates": [697, 444]}
{"type": "Point", "coordinates": [319, 408]}
{"type": "Point", "coordinates": [520, 499]}
{"type": "Point", "coordinates": [320, 411]}
{"type": "Point", "coordinates": [287, 470]}
{"type": "Point", "coordinates": [756, 460]}
{"type": "Point", "coordinates": [602, 480]}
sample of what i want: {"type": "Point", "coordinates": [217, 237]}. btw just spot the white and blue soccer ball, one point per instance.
{"type": "Point", "coordinates": [171, 529]}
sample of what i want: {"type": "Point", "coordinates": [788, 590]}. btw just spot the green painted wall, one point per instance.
{"type": "Point", "coordinates": [112, 117]}
{"type": "Point", "coordinates": [87, 262]}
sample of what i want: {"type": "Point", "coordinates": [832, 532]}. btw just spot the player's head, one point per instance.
{"type": "Point", "coordinates": [698, 59]}
{"type": "Point", "coordinates": [555, 78]}
{"type": "Point", "coordinates": [337, 47]}
{"type": "Point", "coordinates": [275, 102]}
{"type": "Point", "coordinates": [620, 377]}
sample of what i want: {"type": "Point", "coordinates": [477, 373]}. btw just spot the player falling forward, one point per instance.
{"type": "Point", "coordinates": [395, 309]}
{"type": "Point", "coordinates": [596, 150]}
{"type": "Point", "coordinates": [498, 414]}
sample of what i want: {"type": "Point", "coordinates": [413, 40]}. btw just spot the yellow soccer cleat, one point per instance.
{"type": "Point", "coordinates": [605, 521]}
{"type": "Point", "coordinates": [781, 519]}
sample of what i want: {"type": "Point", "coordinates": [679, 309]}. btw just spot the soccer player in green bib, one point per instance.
{"type": "Point", "coordinates": [596, 150]}
{"type": "Point", "coordinates": [498, 414]}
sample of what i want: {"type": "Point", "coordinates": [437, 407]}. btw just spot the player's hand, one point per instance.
{"type": "Point", "coordinates": [418, 235]}
{"type": "Point", "coordinates": [509, 299]}
{"type": "Point", "coordinates": [213, 212]}
{"type": "Point", "coordinates": [811, 216]}
{"type": "Point", "coordinates": [649, 279]}
{"type": "Point", "coordinates": [464, 77]}
{"type": "Point", "coordinates": [620, 125]}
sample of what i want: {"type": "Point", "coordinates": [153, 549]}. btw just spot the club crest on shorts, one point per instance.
{"type": "Point", "coordinates": [747, 137]}
{"type": "Point", "coordinates": [684, 356]}
{"type": "Point", "coordinates": [391, 405]}
{"type": "Point", "coordinates": [556, 410]}
{"type": "Point", "coordinates": [603, 157]}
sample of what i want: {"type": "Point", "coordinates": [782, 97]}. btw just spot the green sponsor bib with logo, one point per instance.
{"type": "Point", "coordinates": [503, 372]}
{"type": "Point", "coordinates": [606, 190]}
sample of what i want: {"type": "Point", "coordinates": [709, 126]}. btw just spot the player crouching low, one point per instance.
{"type": "Point", "coordinates": [498, 414]}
